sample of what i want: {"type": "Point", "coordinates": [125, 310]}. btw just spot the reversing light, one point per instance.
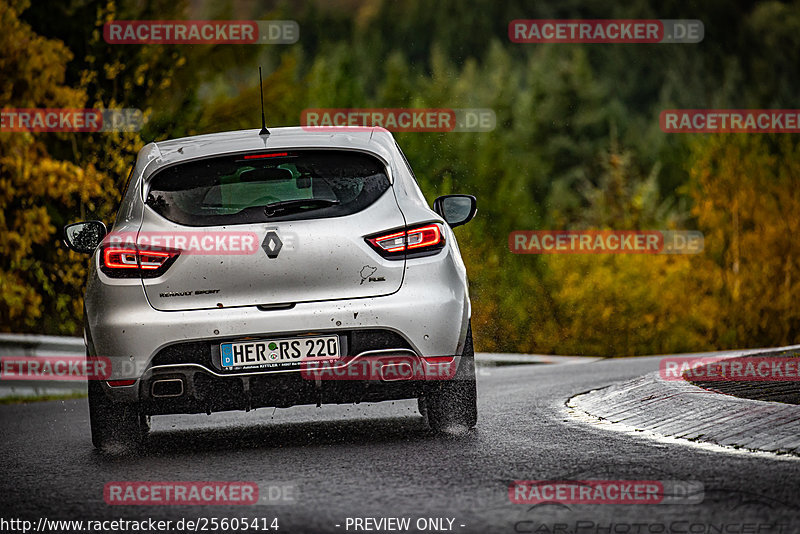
{"type": "Point", "coordinates": [420, 240]}
{"type": "Point", "coordinates": [390, 243]}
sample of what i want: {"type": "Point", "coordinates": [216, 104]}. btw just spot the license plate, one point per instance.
{"type": "Point", "coordinates": [272, 353]}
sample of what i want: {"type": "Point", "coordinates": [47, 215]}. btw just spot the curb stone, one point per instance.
{"type": "Point", "coordinates": [682, 410]}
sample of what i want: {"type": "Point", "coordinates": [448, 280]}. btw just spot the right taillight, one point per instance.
{"type": "Point", "coordinates": [414, 241]}
{"type": "Point", "coordinates": [127, 261]}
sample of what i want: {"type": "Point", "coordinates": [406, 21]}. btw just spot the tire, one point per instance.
{"type": "Point", "coordinates": [452, 406]}
{"type": "Point", "coordinates": [115, 425]}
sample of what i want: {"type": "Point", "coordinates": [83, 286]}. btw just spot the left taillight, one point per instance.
{"type": "Point", "coordinates": [411, 242]}
{"type": "Point", "coordinates": [128, 261]}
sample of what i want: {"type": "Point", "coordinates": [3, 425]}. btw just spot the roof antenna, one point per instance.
{"type": "Point", "coordinates": [264, 130]}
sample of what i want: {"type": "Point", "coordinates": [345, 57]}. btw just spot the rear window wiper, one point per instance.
{"type": "Point", "coordinates": [299, 204]}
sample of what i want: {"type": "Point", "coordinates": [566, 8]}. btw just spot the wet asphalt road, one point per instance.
{"type": "Point", "coordinates": [379, 460]}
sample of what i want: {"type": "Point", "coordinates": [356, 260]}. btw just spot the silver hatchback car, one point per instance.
{"type": "Point", "coordinates": [246, 270]}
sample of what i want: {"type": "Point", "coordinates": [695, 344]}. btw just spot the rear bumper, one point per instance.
{"type": "Point", "coordinates": [192, 388]}
{"type": "Point", "coordinates": [430, 312]}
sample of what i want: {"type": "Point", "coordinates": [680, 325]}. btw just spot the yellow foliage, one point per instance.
{"type": "Point", "coordinates": [747, 202]}
{"type": "Point", "coordinates": [38, 192]}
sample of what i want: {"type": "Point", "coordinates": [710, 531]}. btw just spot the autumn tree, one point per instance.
{"type": "Point", "coordinates": [39, 279]}
{"type": "Point", "coordinates": [746, 191]}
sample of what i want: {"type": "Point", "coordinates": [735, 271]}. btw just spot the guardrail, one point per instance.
{"type": "Point", "coordinates": [29, 345]}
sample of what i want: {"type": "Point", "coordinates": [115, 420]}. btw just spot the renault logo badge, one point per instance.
{"type": "Point", "coordinates": [272, 244]}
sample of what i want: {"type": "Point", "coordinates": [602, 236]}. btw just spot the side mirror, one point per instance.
{"type": "Point", "coordinates": [84, 236]}
{"type": "Point", "coordinates": [456, 209]}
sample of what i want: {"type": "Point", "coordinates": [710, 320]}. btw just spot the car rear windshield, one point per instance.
{"type": "Point", "coordinates": [269, 186]}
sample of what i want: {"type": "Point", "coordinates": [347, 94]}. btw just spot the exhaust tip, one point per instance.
{"type": "Point", "coordinates": [393, 372]}
{"type": "Point", "coordinates": [170, 387]}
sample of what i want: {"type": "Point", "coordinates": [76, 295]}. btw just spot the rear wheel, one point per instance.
{"type": "Point", "coordinates": [118, 425]}
{"type": "Point", "coordinates": [452, 406]}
